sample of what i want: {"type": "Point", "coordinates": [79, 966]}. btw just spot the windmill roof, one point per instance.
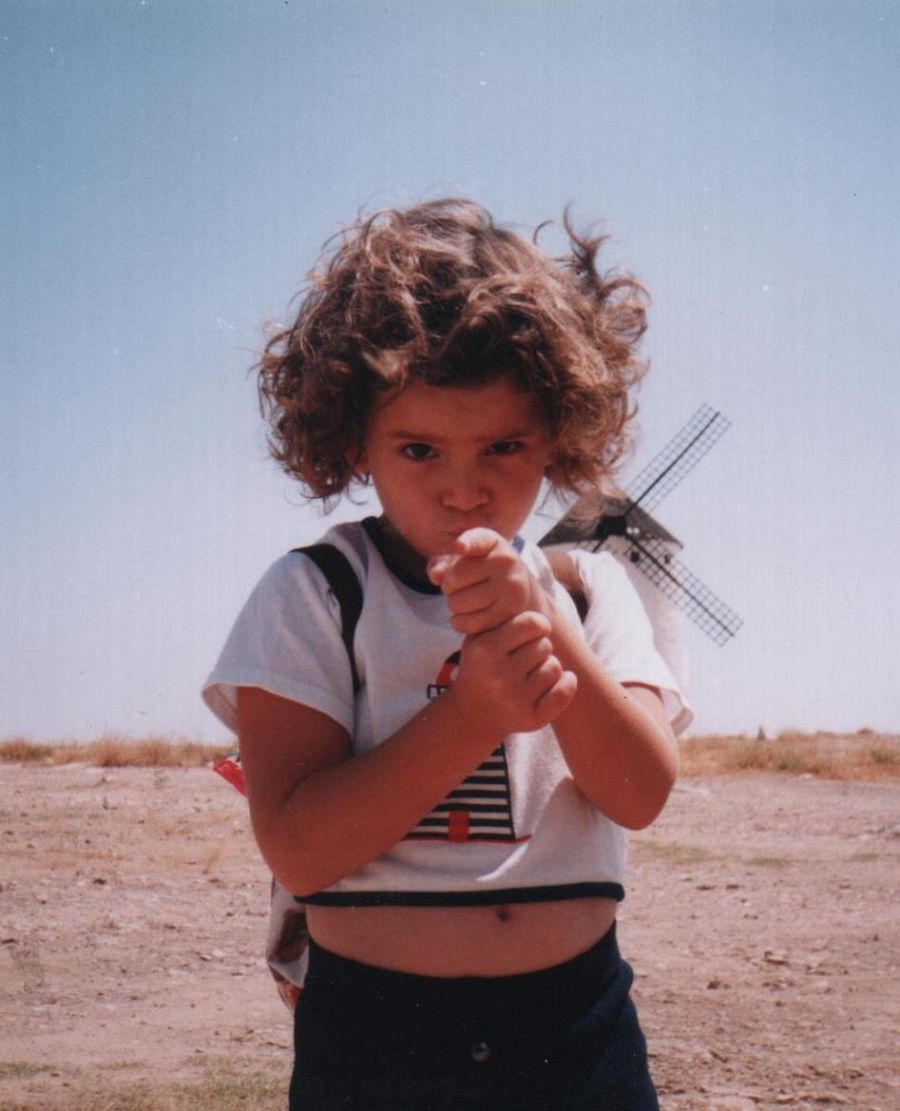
{"type": "Point", "coordinates": [579, 525]}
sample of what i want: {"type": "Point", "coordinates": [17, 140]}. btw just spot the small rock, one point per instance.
{"type": "Point", "coordinates": [774, 956]}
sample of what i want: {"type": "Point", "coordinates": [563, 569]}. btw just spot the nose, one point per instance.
{"type": "Point", "coordinates": [464, 490]}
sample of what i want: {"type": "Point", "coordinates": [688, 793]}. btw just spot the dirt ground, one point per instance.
{"type": "Point", "coordinates": [761, 921]}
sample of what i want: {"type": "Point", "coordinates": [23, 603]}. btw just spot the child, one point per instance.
{"type": "Point", "coordinates": [453, 821]}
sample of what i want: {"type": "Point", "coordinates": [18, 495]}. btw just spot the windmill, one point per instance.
{"type": "Point", "coordinates": [624, 525]}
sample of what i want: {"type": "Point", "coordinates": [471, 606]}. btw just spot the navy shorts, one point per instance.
{"type": "Point", "coordinates": [565, 1038]}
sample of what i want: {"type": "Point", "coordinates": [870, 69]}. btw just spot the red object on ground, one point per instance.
{"type": "Point", "coordinates": [229, 767]}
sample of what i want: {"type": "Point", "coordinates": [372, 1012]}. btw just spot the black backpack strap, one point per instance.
{"type": "Point", "coordinates": [566, 573]}
{"type": "Point", "coordinates": [345, 584]}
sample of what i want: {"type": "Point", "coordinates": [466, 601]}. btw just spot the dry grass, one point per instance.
{"type": "Point", "coordinates": [862, 755]}
{"type": "Point", "coordinates": [227, 1085]}
{"type": "Point", "coordinates": [113, 752]}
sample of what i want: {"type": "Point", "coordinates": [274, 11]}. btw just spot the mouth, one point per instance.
{"type": "Point", "coordinates": [452, 535]}
{"type": "Point", "coordinates": [464, 526]}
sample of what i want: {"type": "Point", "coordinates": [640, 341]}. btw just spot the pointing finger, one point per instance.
{"type": "Point", "coordinates": [477, 542]}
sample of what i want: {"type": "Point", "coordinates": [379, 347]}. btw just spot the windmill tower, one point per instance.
{"type": "Point", "coordinates": [648, 552]}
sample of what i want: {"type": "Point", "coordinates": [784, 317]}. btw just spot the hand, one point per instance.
{"type": "Point", "coordinates": [485, 582]}
{"type": "Point", "coordinates": [509, 680]}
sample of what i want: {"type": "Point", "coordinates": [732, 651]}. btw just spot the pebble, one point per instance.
{"type": "Point", "coordinates": [774, 956]}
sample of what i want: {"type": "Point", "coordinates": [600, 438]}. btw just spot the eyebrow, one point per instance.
{"type": "Point", "coordinates": [420, 437]}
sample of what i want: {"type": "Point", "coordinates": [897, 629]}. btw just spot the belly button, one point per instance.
{"type": "Point", "coordinates": [503, 913]}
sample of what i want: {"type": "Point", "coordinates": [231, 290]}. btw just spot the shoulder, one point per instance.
{"type": "Point", "coordinates": [292, 586]}
{"type": "Point", "coordinates": [349, 538]}
{"type": "Point", "coordinates": [304, 569]}
{"type": "Point", "coordinates": [287, 639]}
{"type": "Point", "coordinates": [615, 608]}
{"type": "Point", "coordinates": [601, 571]}
{"type": "Point", "coordinates": [605, 582]}
{"type": "Point", "coordinates": [296, 594]}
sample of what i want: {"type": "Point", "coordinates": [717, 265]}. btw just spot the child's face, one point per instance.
{"type": "Point", "coordinates": [446, 459]}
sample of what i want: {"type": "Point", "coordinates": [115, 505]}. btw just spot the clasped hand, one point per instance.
{"type": "Point", "coordinates": [509, 679]}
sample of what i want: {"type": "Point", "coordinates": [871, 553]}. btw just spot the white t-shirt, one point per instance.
{"type": "Point", "coordinates": [517, 829]}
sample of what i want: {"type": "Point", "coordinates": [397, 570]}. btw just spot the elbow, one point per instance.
{"type": "Point", "coordinates": [641, 806]}
{"type": "Point", "coordinates": [302, 883]}
{"type": "Point", "coordinates": [296, 859]}
{"type": "Point", "coordinates": [649, 799]}
{"type": "Point", "coordinates": [644, 813]}
{"type": "Point", "coordinates": [298, 869]}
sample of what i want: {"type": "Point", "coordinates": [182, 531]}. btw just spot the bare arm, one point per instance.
{"type": "Point", "coordinates": [616, 738]}
{"type": "Point", "coordinates": [320, 814]}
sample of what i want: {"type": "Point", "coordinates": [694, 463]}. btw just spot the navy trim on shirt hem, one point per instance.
{"type": "Point", "coordinates": [464, 898]}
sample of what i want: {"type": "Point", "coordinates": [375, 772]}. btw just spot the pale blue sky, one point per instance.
{"type": "Point", "coordinates": [169, 171]}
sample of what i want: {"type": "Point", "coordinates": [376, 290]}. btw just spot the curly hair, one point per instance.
{"type": "Point", "coordinates": [439, 293]}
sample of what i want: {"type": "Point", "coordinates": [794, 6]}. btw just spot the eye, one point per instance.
{"type": "Point", "coordinates": [505, 447]}
{"type": "Point", "coordinates": [418, 452]}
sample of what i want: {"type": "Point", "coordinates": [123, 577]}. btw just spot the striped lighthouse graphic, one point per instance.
{"type": "Point", "coordinates": [479, 808]}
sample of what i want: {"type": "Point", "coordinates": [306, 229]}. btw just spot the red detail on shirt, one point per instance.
{"type": "Point", "coordinates": [448, 671]}
{"type": "Point", "coordinates": [458, 825]}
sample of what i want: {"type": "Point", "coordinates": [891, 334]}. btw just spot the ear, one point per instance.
{"type": "Point", "coordinates": [553, 471]}
{"type": "Point", "coordinates": [358, 463]}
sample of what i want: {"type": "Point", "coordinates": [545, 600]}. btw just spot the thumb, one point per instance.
{"type": "Point", "coordinates": [436, 568]}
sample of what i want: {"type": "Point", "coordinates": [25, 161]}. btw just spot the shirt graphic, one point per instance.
{"type": "Point", "coordinates": [480, 808]}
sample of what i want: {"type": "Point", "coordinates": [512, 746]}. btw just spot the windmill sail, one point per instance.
{"type": "Point", "coordinates": [682, 454]}
{"type": "Point", "coordinates": [626, 523]}
{"type": "Point", "coordinates": [684, 588]}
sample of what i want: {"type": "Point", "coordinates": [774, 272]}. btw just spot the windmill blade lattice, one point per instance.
{"type": "Point", "coordinates": [684, 588]}
{"type": "Point", "coordinates": [681, 455]}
